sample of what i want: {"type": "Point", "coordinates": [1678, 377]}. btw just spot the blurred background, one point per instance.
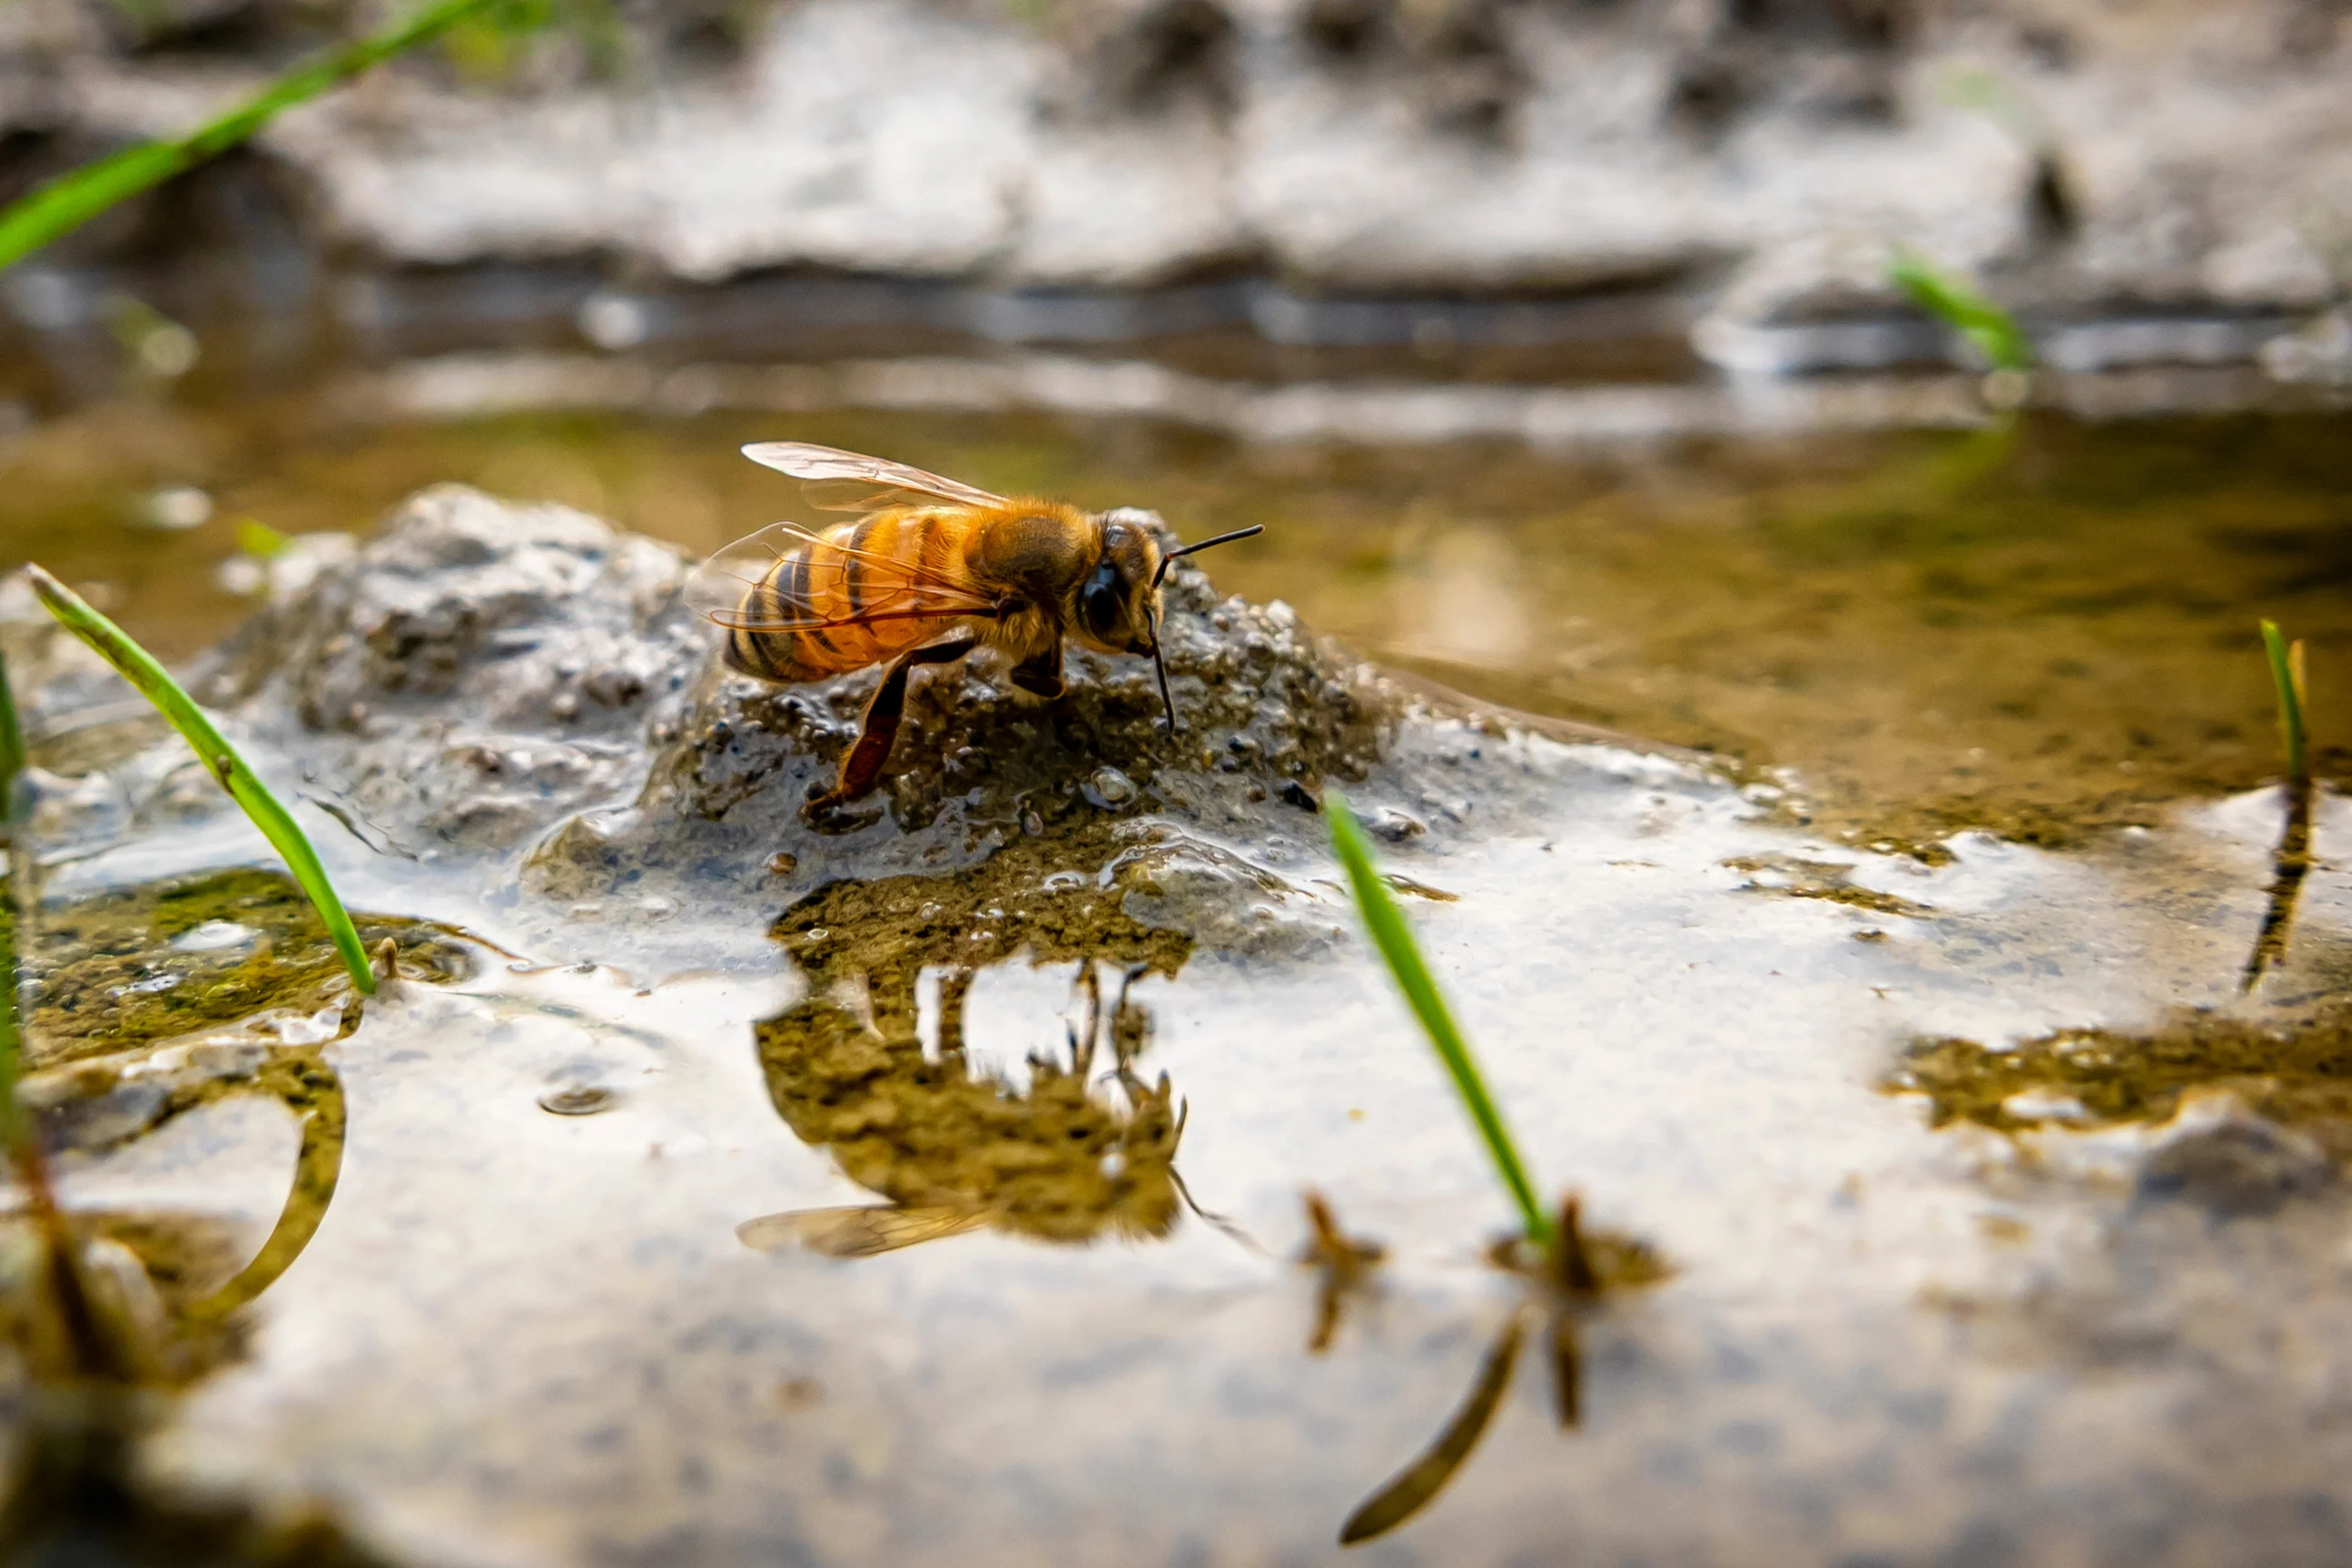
{"type": "Point", "coordinates": [1556, 341]}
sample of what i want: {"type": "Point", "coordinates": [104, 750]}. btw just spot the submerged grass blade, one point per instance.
{"type": "Point", "coordinates": [2286, 674]}
{"type": "Point", "coordinates": [140, 668]}
{"type": "Point", "coordinates": [1398, 949]}
{"type": "Point", "coordinates": [74, 198]}
{"type": "Point", "coordinates": [1413, 1487]}
{"type": "Point", "coordinates": [1952, 301]}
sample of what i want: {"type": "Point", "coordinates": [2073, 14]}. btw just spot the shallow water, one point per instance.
{"type": "Point", "coordinates": [1947, 1303]}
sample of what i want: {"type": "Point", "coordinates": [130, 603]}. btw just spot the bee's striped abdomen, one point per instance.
{"type": "Point", "coordinates": [827, 587]}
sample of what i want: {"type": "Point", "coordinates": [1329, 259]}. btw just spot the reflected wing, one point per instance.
{"type": "Point", "coordinates": [851, 482]}
{"type": "Point", "coordinates": [862, 1230]}
{"type": "Point", "coordinates": [888, 589]}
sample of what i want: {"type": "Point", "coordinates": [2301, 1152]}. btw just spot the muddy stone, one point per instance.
{"type": "Point", "coordinates": [473, 673]}
{"type": "Point", "coordinates": [481, 684]}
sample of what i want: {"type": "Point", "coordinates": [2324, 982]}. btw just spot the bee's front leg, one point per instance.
{"type": "Point", "coordinates": [1040, 674]}
{"type": "Point", "coordinates": [861, 771]}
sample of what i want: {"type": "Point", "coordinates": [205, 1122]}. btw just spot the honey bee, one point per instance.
{"type": "Point", "coordinates": [930, 570]}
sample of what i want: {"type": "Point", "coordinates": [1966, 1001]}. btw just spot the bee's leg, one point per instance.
{"type": "Point", "coordinates": [1040, 674]}
{"type": "Point", "coordinates": [861, 771]}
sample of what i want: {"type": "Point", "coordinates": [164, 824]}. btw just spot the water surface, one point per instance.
{"type": "Point", "coordinates": [1992, 763]}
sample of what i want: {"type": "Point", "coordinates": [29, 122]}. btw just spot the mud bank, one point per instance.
{"type": "Point", "coordinates": [2171, 180]}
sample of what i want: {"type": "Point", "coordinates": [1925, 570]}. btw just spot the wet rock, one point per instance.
{"type": "Point", "coordinates": [473, 673]}
{"type": "Point", "coordinates": [2319, 351]}
{"type": "Point", "coordinates": [513, 698]}
{"type": "Point", "coordinates": [1267, 715]}
{"type": "Point", "coordinates": [2218, 1152]}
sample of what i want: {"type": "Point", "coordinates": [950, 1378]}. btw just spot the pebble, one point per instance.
{"type": "Point", "coordinates": [579, 1100]}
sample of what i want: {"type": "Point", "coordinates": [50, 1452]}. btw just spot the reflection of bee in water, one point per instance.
{"type": "Point", "coordinates": [931, 570]}
{"type": "Point", "coordinates": [956, 1152]}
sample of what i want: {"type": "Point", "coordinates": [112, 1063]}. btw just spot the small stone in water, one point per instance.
{"type": "Point", "coordinates": [782, 863]}
{"type": "Point", "coordinates": [1108, 787]}
{"type": "Point", "coordinates": [580, 1100]}
{"type": "Point", "coordinates": [214, 937]}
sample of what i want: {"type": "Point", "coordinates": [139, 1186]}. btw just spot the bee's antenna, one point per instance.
{"type": "Point", "coordinates": [1204, 544]}
{"type": "Point", "coordinates": [1159, 663]}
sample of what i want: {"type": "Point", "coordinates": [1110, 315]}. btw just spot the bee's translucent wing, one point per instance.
{"type": "Point", "coordinates": [888, 589]}
{"type": "Point", "coordinates": [852, 482]}
{"type": "Point", "coordinates": [861, 1230]}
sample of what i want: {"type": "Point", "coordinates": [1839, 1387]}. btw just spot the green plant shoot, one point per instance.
{"type": "Point", "coordinates": [139, 668]}
{"type": "Point", "coordinates": [259, 541]}
{"type": "Point", "coordinates": [11, 746]}
{"type": "Point", "coordinates": [1959, 306]}
{"type": "Point", "coordinates": [71, 199]}
{"type": "Point", "coordinates": [1386, 924]}
{"type": "Point", "coordinates": [2286, 674]}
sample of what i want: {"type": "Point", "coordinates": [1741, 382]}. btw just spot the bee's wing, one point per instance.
{"type": "Point", "coordinates": [861, 1230]}
{"type": "Point", "coordinates": [889, 589]}
{"type": "Point", "coordinates": [851, 482]}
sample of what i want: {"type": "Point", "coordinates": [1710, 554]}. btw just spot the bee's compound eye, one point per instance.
{"type": "Point", "coordinates": [1101, 607]}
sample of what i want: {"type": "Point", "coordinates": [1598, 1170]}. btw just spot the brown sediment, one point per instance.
{"type": "Point", "coordinates": [104, 976]}
{"type": "Point", "coordinates": [1792, 876]}
{"type": "Point", "coordinates": [2291, 1064]}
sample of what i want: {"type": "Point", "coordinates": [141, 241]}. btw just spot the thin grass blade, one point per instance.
{"type": "Point", "coordinates": [2287, 679]}
{"type": "Point", "coordinates": [74, 198]}
{"type": "Point", "coordinates": [1952, 301]}
{"type": "Point", "coordinates": [140, 668]}
{"type": "Point", "coordinates": [1394, 938]}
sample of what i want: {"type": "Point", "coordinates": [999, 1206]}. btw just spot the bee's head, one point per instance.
{"type": "Point", "coordinates": [1119, 603]}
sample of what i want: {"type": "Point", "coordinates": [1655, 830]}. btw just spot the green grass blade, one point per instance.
{"type": "Point", "coordinates": [74, 198]}
{"type": "Point", "coordinates": [140, 668]}
{"type": "Point", "coordinates": [2286, 678]}
{"type": "Point", "coordinates": [1393, 938]}
{"type": "Point", "coordinates": [11, 746]}
{"type": "Point", "coordinates": [1952, 301]}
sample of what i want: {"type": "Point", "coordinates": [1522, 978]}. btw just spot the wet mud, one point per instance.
{"type": "Point", "coordinates": [601, 1233]}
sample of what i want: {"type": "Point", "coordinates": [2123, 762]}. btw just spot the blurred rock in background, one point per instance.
{"type": "Point", "coordinates": [1745, 162]}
